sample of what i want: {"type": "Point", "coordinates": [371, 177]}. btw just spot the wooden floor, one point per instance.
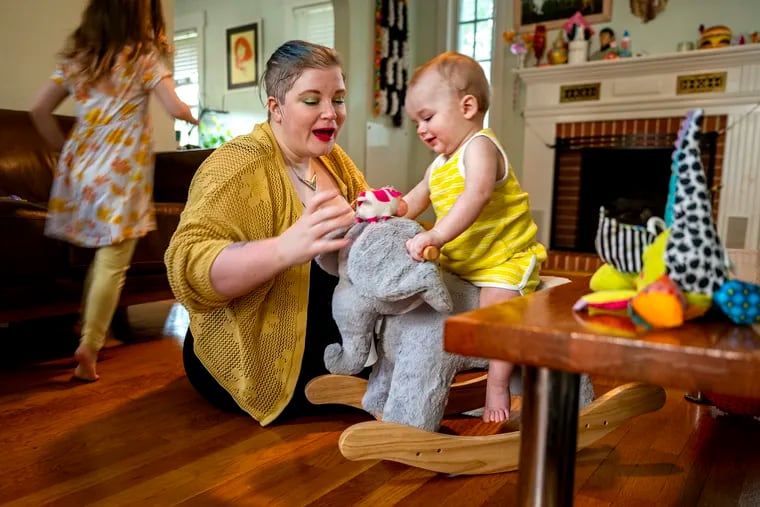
{"type": "Point", "coordinates": [142, 436]}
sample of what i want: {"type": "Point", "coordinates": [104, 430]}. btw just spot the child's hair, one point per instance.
{"type": "Point", "coordinates": [463, 74]}
{"type": "Point", "coordinates": [290, 60]}
{"type": "Point", "coordinates": [107, 27]}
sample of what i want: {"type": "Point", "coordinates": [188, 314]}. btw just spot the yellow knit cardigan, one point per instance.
{"type": "Point", "coordinates": [253, 344]}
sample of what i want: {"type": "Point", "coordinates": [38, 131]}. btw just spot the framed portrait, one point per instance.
{"type": "Point", "coordinates": [243, 55]}
{"type": "Point", "coordinates": [553, 14]}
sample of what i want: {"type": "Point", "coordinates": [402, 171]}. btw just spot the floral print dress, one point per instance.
{"type": "Point", "coordinates": [102, 192]}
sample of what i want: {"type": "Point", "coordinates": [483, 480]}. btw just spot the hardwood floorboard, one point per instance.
{"type": "Point", "coordinates": [142, 436]}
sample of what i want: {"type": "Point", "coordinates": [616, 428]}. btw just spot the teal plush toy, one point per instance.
{"type": "Point", "coordinates": [672, 270]}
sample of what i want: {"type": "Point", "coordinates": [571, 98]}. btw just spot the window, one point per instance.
{"type": "Point", "coordinates": [315, 23]}
{"type": "Point", "coordinates": [475, 32]}
{"type": "Point", "coordinates": [187, 80]}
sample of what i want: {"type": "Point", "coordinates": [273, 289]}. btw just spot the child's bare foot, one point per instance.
{"type": "Point", "coordinates": [498, 401]}
{"type": "Point", "coordinates": [87, 359]}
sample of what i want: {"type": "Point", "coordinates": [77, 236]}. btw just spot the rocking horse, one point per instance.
{"type": "Point", "coordinates": [383, 295]}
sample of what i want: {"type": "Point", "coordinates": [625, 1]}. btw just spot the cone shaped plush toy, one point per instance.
{"type": "Point", "coordinates": [684, 269]}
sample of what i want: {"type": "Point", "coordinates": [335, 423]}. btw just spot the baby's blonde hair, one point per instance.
{"type": "Point", "coordinates": [462, 73]}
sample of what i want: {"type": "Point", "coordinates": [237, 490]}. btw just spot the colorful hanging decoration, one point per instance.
{"type": "Point", "coordinates": [391, 60]}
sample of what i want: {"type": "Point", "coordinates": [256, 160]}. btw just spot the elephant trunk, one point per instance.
{"type": "Point", "coordinates": [341, 362]}
{"type": "Point", "coordinates": [357, 326]}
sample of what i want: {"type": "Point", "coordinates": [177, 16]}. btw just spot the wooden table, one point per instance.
{"type": "Point", "coordinates": [556, 344]}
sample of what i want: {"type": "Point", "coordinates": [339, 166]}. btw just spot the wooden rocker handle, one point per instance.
{"type": "Point", "coordinates": [431, 253]}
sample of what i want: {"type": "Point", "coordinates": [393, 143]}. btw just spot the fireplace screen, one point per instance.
{"type": "Point", "coordinates": [627, 174]}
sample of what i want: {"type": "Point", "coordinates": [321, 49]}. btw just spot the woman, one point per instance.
{"type": "Point", "coordinates": [259, 210]}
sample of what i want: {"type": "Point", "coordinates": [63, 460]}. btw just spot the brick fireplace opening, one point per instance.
{"type": "Point", "coordinates": [624, 165]}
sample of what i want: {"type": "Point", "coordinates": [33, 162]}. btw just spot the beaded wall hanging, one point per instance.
{"type": "Point", "coordinates": [391, 60]}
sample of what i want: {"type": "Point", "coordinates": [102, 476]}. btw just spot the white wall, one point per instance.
{"type": "Point", "coordinates": [32, 32]}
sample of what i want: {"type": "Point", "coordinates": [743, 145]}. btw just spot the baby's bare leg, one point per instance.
{"type": "Point", "coordinates": [498, 397]}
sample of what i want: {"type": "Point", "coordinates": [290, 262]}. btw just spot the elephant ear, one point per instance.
{"type": "Point", "coordinates": [379, 266]}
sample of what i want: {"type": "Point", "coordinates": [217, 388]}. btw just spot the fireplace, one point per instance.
{"type": "Point", "coordinates": [628, 174]}
{"type": "Point", "coordinates": [641, 97]}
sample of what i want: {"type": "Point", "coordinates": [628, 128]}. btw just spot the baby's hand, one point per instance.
{"type": "Point", "coordinates": [416, 245]}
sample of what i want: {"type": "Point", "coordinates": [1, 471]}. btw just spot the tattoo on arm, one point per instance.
{"type": "Point", "coordinates": [238, 244]}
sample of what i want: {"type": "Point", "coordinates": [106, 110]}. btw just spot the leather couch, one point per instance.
{"type": "Point", "coordinates": [43, 277]}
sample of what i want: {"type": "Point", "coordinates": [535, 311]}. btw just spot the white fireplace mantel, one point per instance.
{"type": "Point", "coordinates": [646, 87]}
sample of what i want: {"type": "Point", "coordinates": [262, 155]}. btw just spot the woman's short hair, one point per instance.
{"type": "Point", "coordinates": [464, 74]}
{"type": "Point", "coordinates": [290, 60]}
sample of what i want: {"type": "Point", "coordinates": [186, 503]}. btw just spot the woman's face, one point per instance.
{"type": "Point", "coordinates": [312, 113]}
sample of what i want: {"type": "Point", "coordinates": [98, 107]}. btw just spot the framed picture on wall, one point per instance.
{"type": "Point", "coordinates": [529, 13]}
{"type": "Point", "coordinates": [243, 55]}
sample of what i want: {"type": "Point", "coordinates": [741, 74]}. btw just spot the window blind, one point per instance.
{"type": "Point", "coordinates": [186, 58]}
{"type": "Point", "coordinates": [315, 23]}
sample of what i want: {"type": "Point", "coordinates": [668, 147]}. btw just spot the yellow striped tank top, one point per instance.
{"type": "Point", "coordinates": [503, 229]}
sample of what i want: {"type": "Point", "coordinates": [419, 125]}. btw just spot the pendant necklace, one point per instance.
{"type": "Point", "coordinates": [311, 182]}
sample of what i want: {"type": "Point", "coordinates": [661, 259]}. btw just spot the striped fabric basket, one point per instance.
{"type": "Point", "coordinates": [621, 245]}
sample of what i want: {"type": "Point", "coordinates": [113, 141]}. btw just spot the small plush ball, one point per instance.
{"type": "Point", "coordinates": [740, 301]}
{"type": "Point", "coordinates": [735, 405]}
{"type": "Point", "coordinates": [661, 304]}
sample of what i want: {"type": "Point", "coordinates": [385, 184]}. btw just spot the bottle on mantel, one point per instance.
{"type": "Point", "coordinates": [625, 45]}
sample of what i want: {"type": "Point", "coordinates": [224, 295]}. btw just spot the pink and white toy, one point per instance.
{"type": "Point", "coordinates": [374, 205]}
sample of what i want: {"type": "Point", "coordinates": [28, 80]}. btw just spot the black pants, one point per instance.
{"type": "Point", "coordinates": [321, 330]}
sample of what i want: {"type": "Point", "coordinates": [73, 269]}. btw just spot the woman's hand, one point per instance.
{"type": "Point", "coordinates": [319, 230]}
{"type": "Point", "coordinates": [416, 245]}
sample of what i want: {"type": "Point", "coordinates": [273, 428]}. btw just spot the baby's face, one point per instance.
{"type": "Point", "coordinates": [433, 106]}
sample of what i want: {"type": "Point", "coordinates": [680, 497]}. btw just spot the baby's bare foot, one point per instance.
{"type": "Point", "coordinates": [498, 400]}
{"type": "Point", "coordinates": [87, 359]}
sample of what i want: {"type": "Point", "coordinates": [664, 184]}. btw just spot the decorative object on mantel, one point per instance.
{"type": "Point", "coordinates": [576, 23]}
{"type": "Point", "coordinates": [607, 45]}
{"type": "Point", "coordinates": [578, 31]}
{"type": "Point", "coordinates": [391, 61]}
{"type": "Point", "coordinates": [718, 36]}
{"type": "Point", "coordinates": [558, 53]}
{"type": "Point", "coordinates": [578, 52]}
{"type": "Point", "coordinates": [518, 48]}
{"type": "Point", "coordinates": [539, 43]}
{"type": "Point", "coordinates": [625, 45]}
{"type": "Point", "coordinates": [647, 10]}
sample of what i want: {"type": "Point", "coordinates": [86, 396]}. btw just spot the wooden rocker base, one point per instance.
{"type": "Point", "coordinates": [464, 454]}
{"type": "Point", "coordinates": [349, 390]}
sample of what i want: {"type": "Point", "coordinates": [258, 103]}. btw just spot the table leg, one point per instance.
{"type": "Point", "coordinates": [549, 430]}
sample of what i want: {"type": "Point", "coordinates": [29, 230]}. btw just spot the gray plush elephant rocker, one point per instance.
{"type": "Point", "coordinates": [386, 295]}
{"type": "Point", "coordinates": [387, 298]}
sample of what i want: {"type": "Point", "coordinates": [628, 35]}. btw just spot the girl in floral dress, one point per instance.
{"type": "Point", "coordinates": [102, 192]}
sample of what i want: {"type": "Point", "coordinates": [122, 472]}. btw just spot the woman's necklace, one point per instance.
{"type": "Point", "coordinates": [311, 182]}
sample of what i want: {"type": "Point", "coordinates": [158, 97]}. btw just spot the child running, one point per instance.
{"type": "Point", "coordinates": [102, 192]}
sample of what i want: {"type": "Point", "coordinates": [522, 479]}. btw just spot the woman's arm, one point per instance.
{"type": "Point", "coordinates": [47, 100]}
{"type": "Point", "coordinates": [243, 266]}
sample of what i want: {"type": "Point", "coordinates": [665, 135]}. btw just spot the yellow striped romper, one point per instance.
{"type": "Point", "coordinates": [499, 249]}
